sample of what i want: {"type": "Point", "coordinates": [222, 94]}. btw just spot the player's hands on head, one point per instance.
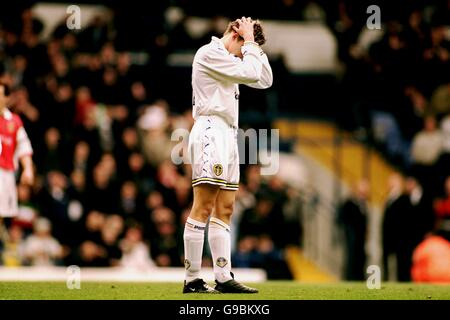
{"type": "Point", "coordinates": [245, 29]}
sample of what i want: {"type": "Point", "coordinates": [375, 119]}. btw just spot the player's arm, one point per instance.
{"type": "Point", "coordinates": [247, 70]}
{"type": "Point", "coordinates": [226, 67]}
{"type": "Point", "coordinates": [266, 78]}
{"type": "Point", "coordinates": [27, 176]}
{"type": "Point", "coordinates": [24, 153]}
{"type": "Point", "coordinates": [246, 31]}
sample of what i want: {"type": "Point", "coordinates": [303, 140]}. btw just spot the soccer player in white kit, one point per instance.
{"type": "Point", "coordinates": [14, 147]}
{"type": "Point", "coordinates": [218, 69]}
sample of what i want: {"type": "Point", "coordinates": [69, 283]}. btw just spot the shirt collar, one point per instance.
{"type": "Point", "coordinates": [7, 114]}
{"type": "Point", "coordinates": [218, 42]}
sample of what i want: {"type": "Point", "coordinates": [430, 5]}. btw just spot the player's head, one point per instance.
{"type": "Point", "coordinates": [236, 41]}
{"type": "Point", "coordinates": [4, 95]}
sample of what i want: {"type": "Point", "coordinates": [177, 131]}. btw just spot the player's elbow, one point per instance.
{"type": "Point", "coordinates": [266, 83]}
{"type": "Point", "coordinates": [251, 77]}
{"type": "Point", "coordinates": [266, 80]}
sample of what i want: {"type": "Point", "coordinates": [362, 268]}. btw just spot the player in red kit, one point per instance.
{"type": "Point", "coordinates": [15, 148]}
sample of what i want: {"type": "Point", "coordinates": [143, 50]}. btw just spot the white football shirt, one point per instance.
{"type": "Point", "coordinates": [216, 75]}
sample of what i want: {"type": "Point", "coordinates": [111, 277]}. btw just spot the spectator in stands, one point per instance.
{"type": "Point", "coordinates": [94, 36]}
{"type": "Point", "coordinates": [411, 112]}
{"type": "Point", "coordinates": [52, 154]}
{"type": "Point", "coordinates": [139, 172]}
{"type": "Point", "coordinates": [110, 233]}
{"type": "Point", "coordinates": [272, 259]}
{"type": "Point", "coordinates": [102, 190]}
{"type": "Point", "coordinates": [90, 254]}
{"type": "Point", "coordinates": [84, 103]}
{"type": "Point", "coordinates": [353, 216]}
{"type": "Point", "coordinates": [244, 200]}
{"type": "Point", "coordinates": [63, 109]}
{"type": "Point", "coordinates": [76, 210]}
{"type": "Point", "coordinates": [260, 252]}
{"type": "Point", "coordinates": [397, 206]}
{"type": "Point", "coordinates": [91, 250]}
{"type": "Point", "coordinates": [41, 248]}
{"type": "Point", "coordinates": [164, 242]}
{"type": "Point", "coordinates": [262, 219]}
{"type": "Point", "coordinates": [425, 151]}
{"type": "Point", "coordinates": [423, 219]}
{"type": "Point", "coordinates": [77, 193]}
{"type": "Point", "coordinates": [138, 100]}
{"type": "Point", "coordinates": [125, 146]}
{"type": "Point", "coordinates": [182, 193]}
{"type": "Point", "coordinates": [167, 178]}
{"type": "Point", "coordinates": [135, 253]}
{"type": "Point", "coordinates": [179, 37]}
{"type": "Point", "coordinates": [440, 100]}
{"type": "Point", "coordinates": [414, 221]}
{"type": "Point", "coordinates": [130, 207]}
{"type": "Point", "coordinates": [444, 161]}
{"type": "Point", "coordinates": [28, 211]}
{"type": "Point", "coordinates": [253, 178]}
{"type": "Point", "coordinates": [13, 252]}
{"type": "Point", "coordinates": [406, 220]}
{"type": "Point", "coordinates": [82, 160]}
{"type": "Point", "coordinates": [94, 223]}
{"type": "Point", "coordinates": [153, 124]}
{"type": "Point", "coordinates": [436, 56]}
{"type": "Point", "coordinates": [54, 204]}
{"type": "Point", "coordinates": [292, 211]}
{"type": "Point", "coordinates": [442, 206]}
{"type": "Point", "coordinates": [244, 255]}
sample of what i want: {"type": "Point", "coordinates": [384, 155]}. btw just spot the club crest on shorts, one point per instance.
{"type": "Point", "coordinates": [221, 262]}
{"type": "Point", "coordinates": [218, 169]}
{"type": "Point", "coordinates": [187, 264]}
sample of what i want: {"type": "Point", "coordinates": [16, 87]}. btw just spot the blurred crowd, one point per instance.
{"type": "Point", "coordinates": [107, 192]}
{"type": "Point", "coordinates": [395, 89]}
{"type": "Point", "coordinates": [395, 94]}
{"type": "Point", "coordinates": [415, 232]}
{"type": "Point", "coordinates": [99, 106]}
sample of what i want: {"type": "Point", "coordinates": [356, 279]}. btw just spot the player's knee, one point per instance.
{"type": "Point", "coordinates": [203, 209]}
{"type": "Point", "coordinates": [225, 210]}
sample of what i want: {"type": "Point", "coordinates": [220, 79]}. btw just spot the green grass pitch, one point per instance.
{"type": "Point", "coordinates": [271, 290]}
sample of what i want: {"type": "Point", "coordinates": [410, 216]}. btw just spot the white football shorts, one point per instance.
{"type": "Point", "coordinates": [213, 152]}
{"type": "Point", "coordinates": [8, 194]}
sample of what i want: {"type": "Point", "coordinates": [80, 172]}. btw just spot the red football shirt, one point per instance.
{"type": "Point", "coordinates": [14, 142]}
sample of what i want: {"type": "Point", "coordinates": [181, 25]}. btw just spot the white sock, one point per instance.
{"type": "Point", "coordinates": [194, 235]}
{"type": "Point", "coordinates": [220, 243]}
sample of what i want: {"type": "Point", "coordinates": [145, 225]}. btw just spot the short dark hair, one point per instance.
{"type": "Point", "coordinates": [258, 31]}
{"type": "Point", "coordinates": [6, 89]}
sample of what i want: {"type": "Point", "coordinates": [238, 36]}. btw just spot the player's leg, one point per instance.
{"type": "Point", "coordinates": [219, 234]}
{"type": "Point", "coordinates": [194, 233]}
{"type": "Point", "coordinates": [219, 225]}
{"type": "Point", "coordinates": [219, 239]}
{"type": "Point", "coordinates": [207, 152]}
{"type": "Point", "coordinates": [8, 202]}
